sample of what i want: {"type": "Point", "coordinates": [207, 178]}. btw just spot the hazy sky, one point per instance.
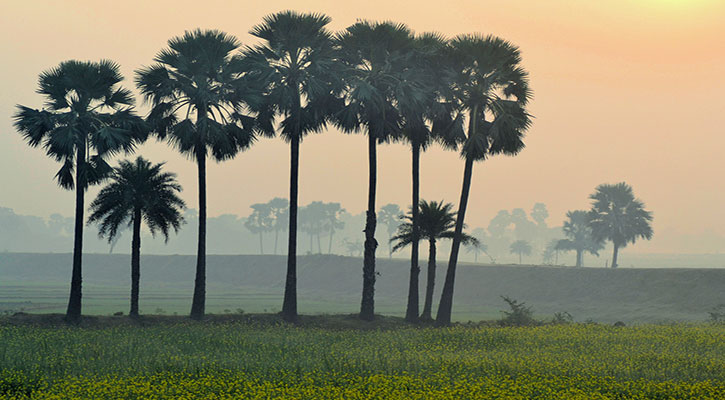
{"type": "Point", "coordinates": [625, 90]}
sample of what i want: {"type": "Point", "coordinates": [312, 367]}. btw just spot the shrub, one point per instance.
{"type": "Point", "coordinates": [520, 314]}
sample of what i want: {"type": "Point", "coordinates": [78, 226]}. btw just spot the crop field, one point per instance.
{"type": "Point", "coordinates": [261, 358]}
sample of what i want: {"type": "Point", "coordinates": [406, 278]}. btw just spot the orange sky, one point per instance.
{"type": "Point", "coordinates": [624, 90]}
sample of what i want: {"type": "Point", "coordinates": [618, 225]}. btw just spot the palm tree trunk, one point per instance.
{"type": "Point", "coordinates": [614, 256]}
{"type": "Point", "coordinates": [289, 305]}
{"type": "Point", "coordinates": [319, 244]}
{"type": "Point", "coordinates": [73, 313]}
{"type": "Point", "coordinates": [519, 258]}
{"type": "Point", "coordinates": [329, 247]}
{"type": "Point", "coordinates": [430, 284]}
{"type": "Point", "coordinates": [367, 305]}
{"type": "Point", "coordinates": [261, 245]}
{"type": "Point", "coordinates": [579, 258]}
{"type": "Point", "coordinates": [411, 313]}
{"type": "Point", "coordinates": [135, 262]}
{"type": "Point", "coordinates": [445, 307]}
{"type": "Point", "coordinates": [199, 301]}
{"type": "Point", "coordinates": [276, 236]}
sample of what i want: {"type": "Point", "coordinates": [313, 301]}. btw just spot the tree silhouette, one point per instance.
{"type": "Point", "coordinates": [198, 76]}
{"type": "Point", "coordinates": [520, 247]}
{"type": "Point", "coordinates": [279, 208]}
{"type": "Point", "coordinates": [539, 214]}
{"type": "Point", "coordinates": [295, 63]}
{"type": "Point", "coordinates": [436, 222]}
{"type": "Point", "coordinates": [490, 85]}
{"type": "Point", "coordinates": [389, 215]}
{"type": "Point", "coordinates": [377, 60]}
{"type": "Point", "coordinates": [138, 191]}
{"type": "Point", "coordinates": [332, 221]}
{"type": "Point", "coordinates": [261, 220]}
{"type": "Point", "coordinates": [619, 217]}
{"type": "Point", "coordinates": [579, 236]}
{"type": "Point", "coordinates": [87, 118]}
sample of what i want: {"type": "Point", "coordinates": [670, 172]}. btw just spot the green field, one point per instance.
{"type": "Point", "coordinates": [258, 356]}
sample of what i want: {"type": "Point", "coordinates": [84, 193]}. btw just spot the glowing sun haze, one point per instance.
{"type": "Point", "coordinates": [623, 91]}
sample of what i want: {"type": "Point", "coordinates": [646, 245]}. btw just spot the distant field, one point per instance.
{"type": "Point", "coordinates": [333, 357]}
{"type": "Point", "coordinates": [38, 283]}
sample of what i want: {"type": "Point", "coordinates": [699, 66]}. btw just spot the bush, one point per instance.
{"type": "Point", "coordinates": [520, 314]}
{"type": "Point", "coordinates": [562, 318]}
{"type": "Point", "coordinates": [717, 314]}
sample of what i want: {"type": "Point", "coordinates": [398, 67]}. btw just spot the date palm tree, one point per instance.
{"type": "Point", "coordinates": [520, 247]}
{"type": "Point", "coordinates": [87, 118]}
{"type": "Point", "coordinates": [489, 84]}
{"type": "Point", "coordinates": [139, 192]}
{"type": "Point", "coordinates": [619, 217]}
{"type": "Point", "coordinates": [436, 221]}
{"type": "Point", "coordinates": [579, 236]}
{"type": "Point", "coordinates": [378, 75]}
{"type": "Point", "coordinates": [295, 64]}
{"type": "Point", "coordinates": [200, 103]}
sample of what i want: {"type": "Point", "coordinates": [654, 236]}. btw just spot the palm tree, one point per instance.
{"type": "Point", "coordinates": [378, 71]}
{"type": "Point", "coordinates": [618, 216]}
{"type": "Point", "coordinates": [389, 215]}
{"type": "Point", "coordinates": [198, 76]}
{"type": "Point", "coordinates": [332, 221]}
{"type": "Point", "coordinates": [477, 248]}
{"type": "Point", "coordinates": [87, 118]}
{"type": "Point", "coordinates": [296, 65]}
{"type": "Point", "coordinates": [260, 221]}
{"type": "Point", "coordinates": [490, 85]}
{"type": "Point", "coordinates": [579, 236]}
{"type": "Point", "coordinates": [520, 247]}
{"type": "Point", "coordinates": [280, 210]}
{"type": "Point", "coordinates": [436, 221]}
{"type": "Point", "coordinates": [139, 191]}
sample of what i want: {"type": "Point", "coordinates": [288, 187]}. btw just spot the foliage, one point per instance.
{"type": "Point", "coordinates": [717, 314]}
{"type": "Point", "coordinates": [520, 247]}
{"type": "Point", "coordinates": [520, 314]}
{"type": "Point", "coordinates": [436, 221]}
{"type": "Point", "coordinates": [579, 236]}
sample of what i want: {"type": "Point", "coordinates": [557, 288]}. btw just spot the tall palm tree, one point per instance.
{"type": "Point", "coordinates": [489, 84]}
{"type": "Point", "coordinates": [87, 118]}
{"type": "Point", "coordinates": [520, 247]}
{"type": "Point", "coordinates": [295, 63]}
{"type": "Point", "coordinates": [427, 117]}
{"type": "Point", "coordinates": [618, 216]}
{"type": "Point", "coordinates": [198, 76]}
{"type": "Point", "coordinates": [436, 221]}
{"type": "Point", "coordinates": [378, 70]}
{"type": "Point", "coordinates": [139, 192]}
{"type": "Point", "coordinates": [579, 236]}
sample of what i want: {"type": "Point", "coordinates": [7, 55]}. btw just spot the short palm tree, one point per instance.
{"type": "Point", "coordinates": [487, 82]}
{"type": "Point", "coordinates": [261, 220]}
{"type": "Point", "coordinates": [579, 237]}
{"type": "Point", "coordinates": [436, 221]}
{"type": "Point", "coordinates": [520, 247]}
{"type": "Point", "coordinates": [87, 118]}
{"type": "Point", "coordinates": [377, 74]}
{"type": "Point", "coordinates": [295, 64]}
{"type": "Point", "coordinates": [618, 216]}
{"type": "Point", "coordinates": [139, 192]}
{"type": "Point", "coordinates": [200, 107]}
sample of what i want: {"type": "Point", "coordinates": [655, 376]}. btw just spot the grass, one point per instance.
{"type": "Point", "coordinates": [259, 356]}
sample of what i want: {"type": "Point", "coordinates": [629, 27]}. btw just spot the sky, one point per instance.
{"type": "Point", "coordinates": [624, 90]}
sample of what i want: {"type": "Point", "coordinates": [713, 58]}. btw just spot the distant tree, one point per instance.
{"type": "Point", "coordinates": [520, 247]}
{"type": "Point", "coordinates": [492, 87]}
{"type": "Point", "coordinates": [87, 118]}
{"type": "Point", "coordinates": [539, 214]}
{"type": "Point", "coordinates": [198, 76]}
{"type": "Point", "coordinates": [390, 215]}
{"type": "Point", "coordinates": [551, 252]}
{"type": "Point", "coordinates": [477, 248]}
{"type": "Point", "coordinates": [295, 64]}
{"type": "Point", "coordinates": [524, 229]}
{"type": "Point", "coordinates": [579, 236]}
{"type": "Point", "coordinates": [332, 221]}
{"type": "Point", "coordinates": [436, 222]}
{"type": "Point", "coordinates": [353, 247]}
{"type": "Point", "coordinates": [261, 220]}
{"type": "Point", "coordinates": [279, 208]}
{"type": "Point", "coordinates": [138, 192]}
{"type": "Point", "coordinates": [618, 216]}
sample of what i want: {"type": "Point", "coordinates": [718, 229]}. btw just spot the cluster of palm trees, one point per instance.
{"type": "Point", "coordinates": [211, 98]}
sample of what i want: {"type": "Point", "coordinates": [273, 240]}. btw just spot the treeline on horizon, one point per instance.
{"type": "Point", "coordinates": [211, 97]}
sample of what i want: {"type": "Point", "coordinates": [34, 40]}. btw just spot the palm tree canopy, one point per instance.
{"type": "Point", "coordinates": [378, 60]}
{"type": "Point", "coordinates": [295, 66]}
{"type": "Point", "coordinates": [488, 81]}
{"type": "Point", "coordinates": [262, 218]}
{"type": "Point", "coordinates": [436, 220]}
{"type": "Point", "coordinates": [521, 247]}
{"type": "Point", "coordinates": [618, 216]}
{"type": "Point", "coordinates": [84, 106]}
{"type": "Point", "coordinates": [198, 72]}
{"type": "Point", "coordinates": [143, 187]}
{"type": "Point", "coordinates": [390, 215]}
{"type": "Point", "coordinates": [579, 234]}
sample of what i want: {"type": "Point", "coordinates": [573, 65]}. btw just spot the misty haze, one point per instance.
{"type": "Point", "coordinates": [516, 200]}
